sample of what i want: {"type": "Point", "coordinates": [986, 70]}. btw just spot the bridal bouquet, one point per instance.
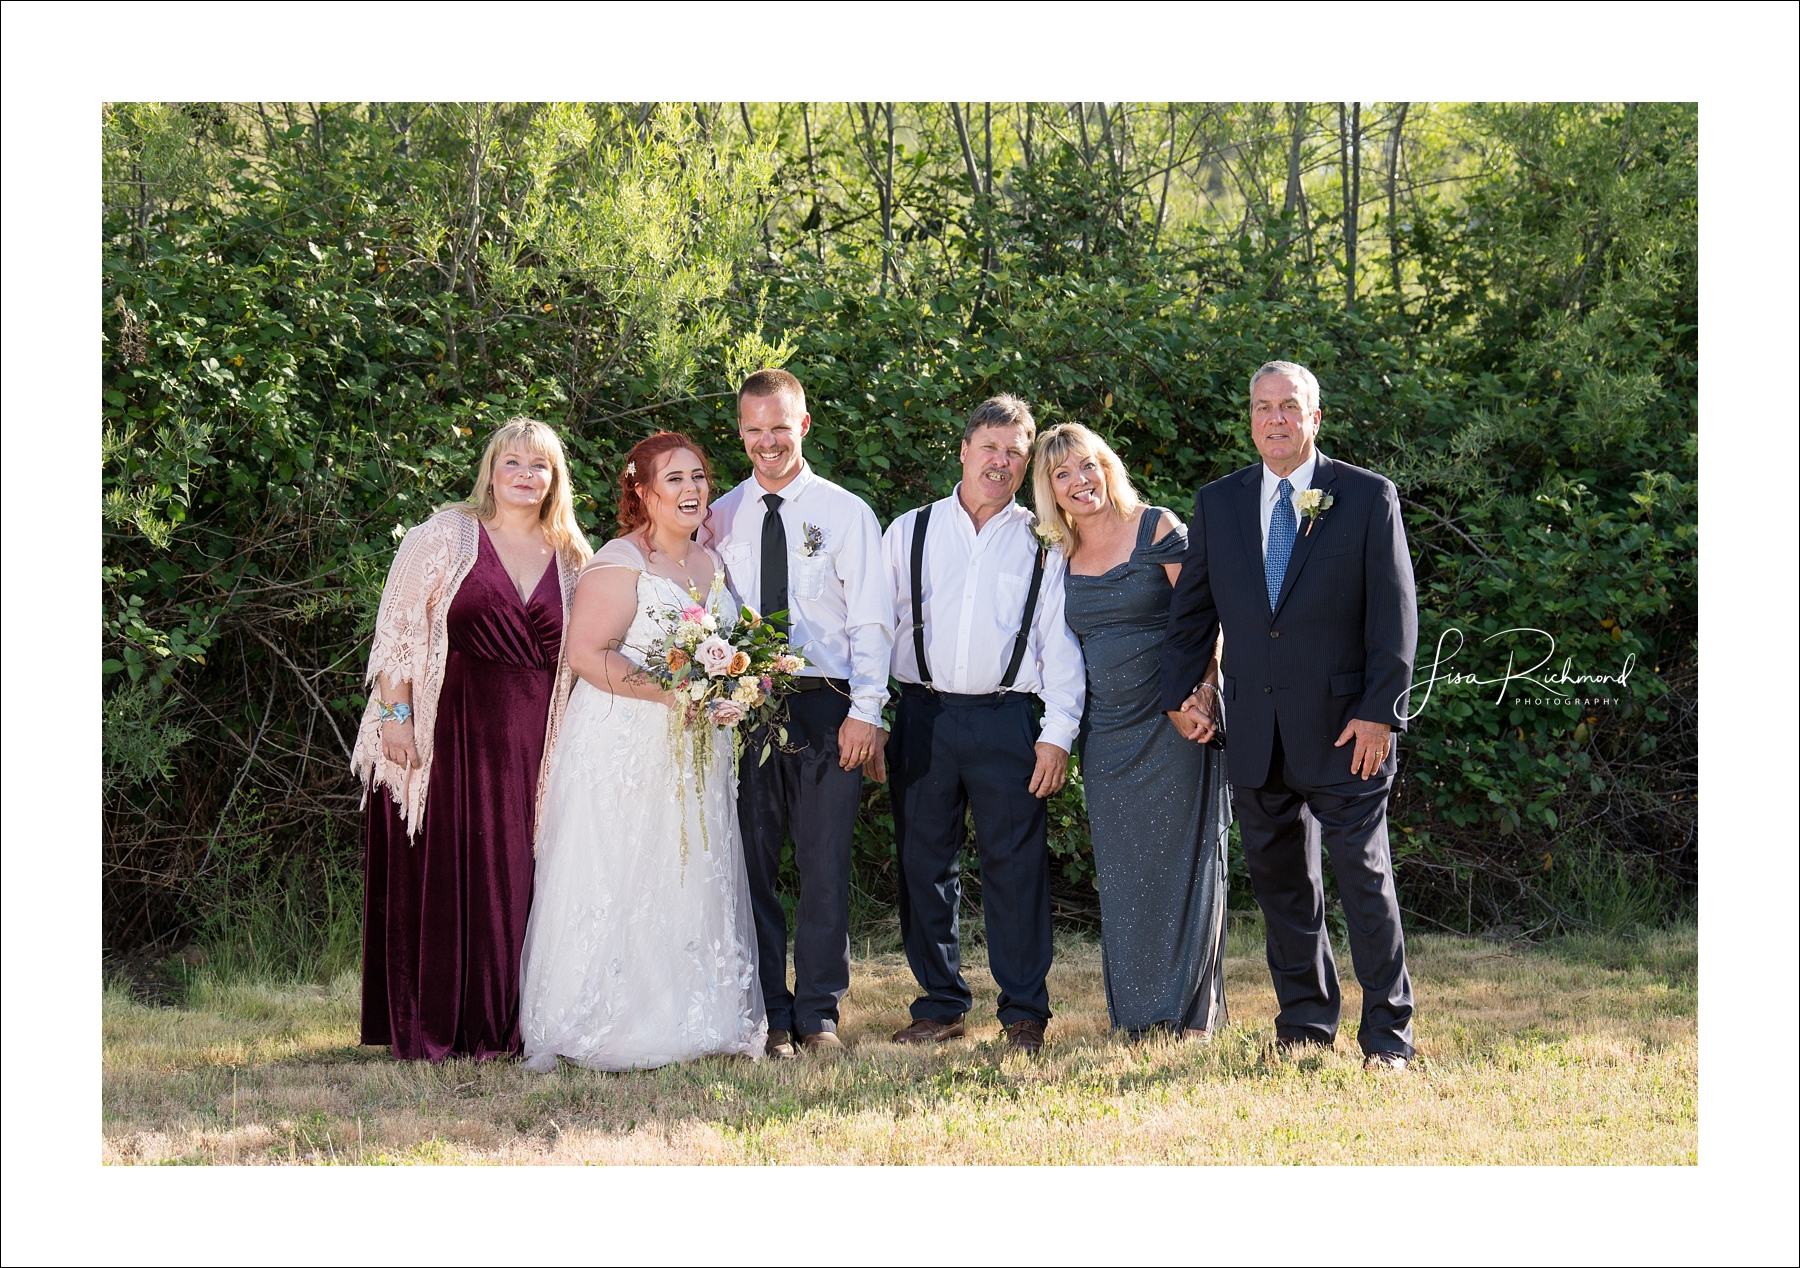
{"type": "Point", "coordinates": [731, 673]}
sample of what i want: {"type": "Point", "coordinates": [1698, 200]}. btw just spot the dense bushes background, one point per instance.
{"type": "Point", "coordinates": [312, 316]}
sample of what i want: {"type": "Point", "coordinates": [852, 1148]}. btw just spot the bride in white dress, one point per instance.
{"type": "Point", "coordinates": [640, 949]}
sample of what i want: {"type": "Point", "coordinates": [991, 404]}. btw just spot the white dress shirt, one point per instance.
{"type": "Point", "coordinates": [839, 614]}
{"type": "Point", "coordinates": [975, 587]}
{"type": "Point", "coordinates": [1271, 492]}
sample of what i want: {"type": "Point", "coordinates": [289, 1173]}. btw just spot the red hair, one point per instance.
{"type": "Point", "coordinates": [641, 467]}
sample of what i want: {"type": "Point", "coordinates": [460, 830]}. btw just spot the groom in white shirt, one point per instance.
{"type": "Point", "coordinates": [794, 542]}
{"type": "Point", "coordinates": [977, 651]}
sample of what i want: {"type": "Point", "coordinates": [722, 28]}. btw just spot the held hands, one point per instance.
{"type": "Point", "coordinates": [861, 744]}
{"type": "Point", "coordinates": [1372, 742]}
{"type": "Point", "coordinates": [1052, 770]}
{"type": "Point", "coordinates": [397, 745]}
{"type": "Point", "coordinates": [1196, 719]}
{"type": "Point", "coordinates": [876, 767]}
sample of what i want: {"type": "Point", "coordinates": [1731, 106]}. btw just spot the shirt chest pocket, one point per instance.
{"type": "Point", "coordinates": [737, 559]}
{"type": "Point", "coordinates": [1009, 597]}
{"type": "Point", "coordinates": [807, 574]}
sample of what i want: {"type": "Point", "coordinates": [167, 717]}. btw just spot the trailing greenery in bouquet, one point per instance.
{"type": "Point", "coordinates": [732, 673]}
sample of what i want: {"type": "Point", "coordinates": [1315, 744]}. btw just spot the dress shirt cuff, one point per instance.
{"type": "Point", "coordinates": [1058, 733]}
{"type": "Point", "coordinates": [867, 708]}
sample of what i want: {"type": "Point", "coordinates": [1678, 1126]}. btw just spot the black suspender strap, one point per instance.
{"type": "Point", "coordinates": [1019, 643]}
{"type": "Point", "coordinates": [918, 591]}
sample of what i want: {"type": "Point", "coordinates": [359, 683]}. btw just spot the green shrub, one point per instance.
{"type": "Point", "coordinates": [311, 325]}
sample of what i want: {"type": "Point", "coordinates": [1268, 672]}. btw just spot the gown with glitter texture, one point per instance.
{"type": "Point", "coordinates": [641, 950]}
{"type": "Point", "coordinates": [1158, 805]}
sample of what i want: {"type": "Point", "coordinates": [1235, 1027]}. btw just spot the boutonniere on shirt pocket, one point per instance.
{"type": "Point", "coordinates": [812, 540]}
{"type": "Point", "coordinates": [1313, 504]}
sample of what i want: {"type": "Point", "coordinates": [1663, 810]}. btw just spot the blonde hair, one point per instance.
{"type": "Point", "coordinates": [557, 511]}
{"type": "Point", "coordinates": [1057, 446]}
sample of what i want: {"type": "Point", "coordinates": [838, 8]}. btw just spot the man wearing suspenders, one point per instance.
{"type": "Point", "coordinates": [980, 641]}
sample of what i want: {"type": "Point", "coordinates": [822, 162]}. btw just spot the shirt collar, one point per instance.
{"type": "Point", "coordinates": [1012, 510]}
{"type": "Point", "coordinates": [1301, 478]}
{"type": "Point", "coordinates": [793, 489]}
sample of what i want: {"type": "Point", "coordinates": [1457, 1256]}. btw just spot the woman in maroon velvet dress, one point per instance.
{"type": "Point", "coordinates": [467, 653]}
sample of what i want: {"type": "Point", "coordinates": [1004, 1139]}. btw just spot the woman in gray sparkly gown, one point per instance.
{"type": "Point", "coordinates": [1158, 804]}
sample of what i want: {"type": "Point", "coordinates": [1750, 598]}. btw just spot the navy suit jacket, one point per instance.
{"type": "Point", "coordinates": [1339, 643]}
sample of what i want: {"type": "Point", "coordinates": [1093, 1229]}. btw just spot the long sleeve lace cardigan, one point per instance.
{"type": "Point", "coordinates": [412, 644]}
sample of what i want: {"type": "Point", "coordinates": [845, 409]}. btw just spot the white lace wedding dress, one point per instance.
{"type": "Point", "coordinates": [634, 956]}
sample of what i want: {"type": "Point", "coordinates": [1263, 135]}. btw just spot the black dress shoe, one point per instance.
{"type": "Point", "coordinates": [1384, 1061]}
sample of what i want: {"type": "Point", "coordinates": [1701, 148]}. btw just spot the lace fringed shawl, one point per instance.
{"type": "Point", "coordinates": [412, 645]}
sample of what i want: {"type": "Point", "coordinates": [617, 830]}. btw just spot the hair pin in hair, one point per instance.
{"type": "Point", "coordinates": [631, 468]}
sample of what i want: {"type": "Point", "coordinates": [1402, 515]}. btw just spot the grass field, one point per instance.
{"type": "Point", "coordinates": [1580, 1052]}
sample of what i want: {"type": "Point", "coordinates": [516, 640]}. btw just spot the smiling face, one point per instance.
{"type": "Point", "coordinates": [1080, 486]}
{"type": "Point", "coordinates": [1283, 422]}
{"type": "Point", "coordinates": [993, 464]}
{"type": "Point", "coordinates": [771, 427]}
{"type": "Point", "coordinates": [522, 478]}
{"type": "Point", "coordinates": [676, 496]}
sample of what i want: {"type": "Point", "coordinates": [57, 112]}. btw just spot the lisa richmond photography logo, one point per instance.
{"type": "Point", "coordinates": [1527, 685]}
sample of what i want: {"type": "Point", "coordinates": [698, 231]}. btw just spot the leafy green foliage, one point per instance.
{"type": "Point", "coordinates": [314, 317]}
{"type": "Point", "coordinates": [310, 331]}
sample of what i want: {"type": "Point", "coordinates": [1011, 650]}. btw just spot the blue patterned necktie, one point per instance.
{"type": "Point", "coordinates": [1281, 541]}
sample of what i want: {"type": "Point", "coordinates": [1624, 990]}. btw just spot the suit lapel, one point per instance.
{"type": "Point", "coordinates": [1249, 516]}
{"type": "Point", "coordinates": [1324, 473]}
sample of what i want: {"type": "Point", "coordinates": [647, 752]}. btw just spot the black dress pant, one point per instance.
{"type": "Point", "coordinates": [952, 755]}
{"type": "Point", "coordinates": [807, 793]}
{"type": "Point", "coordinates": [1285, 873]}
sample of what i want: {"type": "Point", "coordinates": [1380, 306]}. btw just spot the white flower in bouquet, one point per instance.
{"type": "Point", "coordinates": [697, 690]}
{"type": "Point", "coordinates": [748, 692]}
{"type": "Point", "coordinates": [715, 656]}
{"type": "Point", "coordinates": [709, 622]}
{"type": "Point", "coordinates": [689, 632]}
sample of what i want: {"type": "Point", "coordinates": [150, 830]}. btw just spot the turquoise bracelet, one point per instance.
{"type": "Point", "coordinates": [393, 712]}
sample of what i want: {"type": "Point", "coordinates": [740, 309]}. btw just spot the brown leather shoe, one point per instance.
{"type": "Point", "coordinates": [780, 1046]}
{"type": "Point", "coordinates": [823, 1043]}
{"type": "Point", "coordinates": [924, 1030]}
{"type": "Point", "coordinates": [1026, 1036]}
{"type": "Point", "coordinates": [1384, 1061]}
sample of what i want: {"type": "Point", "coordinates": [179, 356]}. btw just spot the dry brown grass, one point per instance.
{"type": "Point", "coordinates": [1579, 1053]}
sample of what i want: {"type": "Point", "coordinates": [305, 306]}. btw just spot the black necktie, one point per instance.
{"type": "Point", "coordinates": [774, 560]}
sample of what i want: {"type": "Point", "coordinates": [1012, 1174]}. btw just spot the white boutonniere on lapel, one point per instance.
{"type": "Point", "coordinates": [812, 540]}
{"type": "Point", "coordinates": [1048, 534]}
{"type": "Point", "coordinates": [1313, 504]}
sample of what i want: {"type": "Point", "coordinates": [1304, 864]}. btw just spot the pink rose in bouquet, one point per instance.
{"type": "Point", "coordinates": [725, 712]}
{"type": "Point", "coordinates": [715, 656]}
{"type": "Point", "coordinates": [693, 613]}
